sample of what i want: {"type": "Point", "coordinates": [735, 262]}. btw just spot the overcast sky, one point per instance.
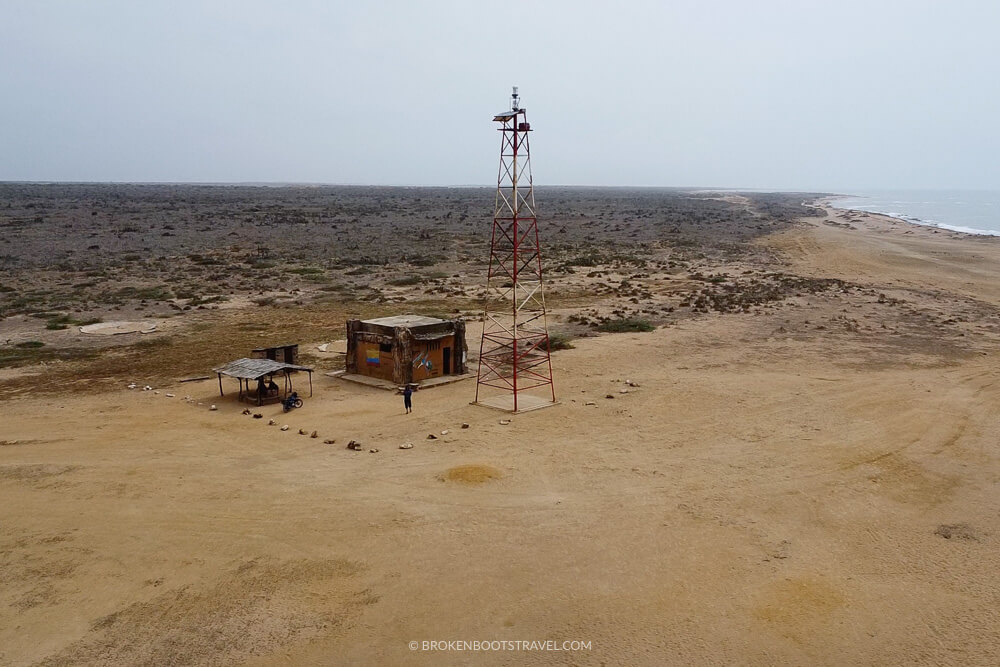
{"type": "Point", "coordinates": [785, 95]}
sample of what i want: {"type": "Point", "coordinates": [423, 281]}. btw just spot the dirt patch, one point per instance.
{"type": "Point", "coordinates": [15, 443]}
{"type": "Point", "coordinates": [957, 531]}
{"type": "Point", "coordinates": [471, 474]}
{"type": "Point", "coordinates": [33, 473]}
{"type": "Point", "coordinates": [793, 606]}
{"type": "Point", "coordinates": [252, 611]}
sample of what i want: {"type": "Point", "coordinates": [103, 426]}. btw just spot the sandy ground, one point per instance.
{"type": "Point", "coordinates": [766, 495]}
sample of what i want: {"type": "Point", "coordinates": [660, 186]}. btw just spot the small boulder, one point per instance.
{"type": "Point", "coordinates": [591, 403]}
{"type": "Point", "coordinates": [504, 422]}
{"type": "Point", "coordinates": [285, 427]}
{"type": "Point", "coordinates": [432, 437]}
{"type": "Point", "coordinates": [465, 426]}
{"type": "Point", "coordinates": [329, 441]}
{"type": "Point", "coordinates": [406, 445]}
{"type": "Point", "coordinates": [314, 434]}
{"type": "Point", "coordinates": [373, 451]}
{"type": "Point", "coordinates": [258, 415]}
{"type": "Point", "coordinates": [302, 431]}
{"type": "Point", "coordinates": [271, 422]}
{"type": "Point", "coordinates": [213, 407]}
{"type": "Point", "coordinates": [169, 395]}
{"type": "Point", "coordinates": [444, 432]}
{"type": "Point", "coordinates": [354, 445]}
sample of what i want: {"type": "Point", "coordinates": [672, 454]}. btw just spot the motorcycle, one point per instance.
{"type": "Point", "coordinates": [292, 402]}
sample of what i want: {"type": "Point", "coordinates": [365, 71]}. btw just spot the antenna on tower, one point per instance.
{"type": "Point", "coordinates": [514, 362]}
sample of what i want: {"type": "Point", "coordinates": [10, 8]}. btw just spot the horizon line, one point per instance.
{"type": "Point", "coordinates": [265, 184]}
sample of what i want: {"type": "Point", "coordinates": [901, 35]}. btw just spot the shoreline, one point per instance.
{"type": "Point", "coordinates": [828, 202]}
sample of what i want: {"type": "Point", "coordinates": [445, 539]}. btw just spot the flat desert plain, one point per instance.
{"type": "Point", "coordinates": [806, 478]}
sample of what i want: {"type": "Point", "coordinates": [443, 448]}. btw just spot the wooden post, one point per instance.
{"type": "Point", "coordinates": [402, 356]}
{"type": "Point", "coordinates": [460, 348]}
{"type": "Point", "coordinates": [351, 360]}
{"type": "Point", "coordinates": [220, 385]}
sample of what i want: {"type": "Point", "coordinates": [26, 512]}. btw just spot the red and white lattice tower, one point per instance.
{"type": "Point", "coordinates": [515, 370]}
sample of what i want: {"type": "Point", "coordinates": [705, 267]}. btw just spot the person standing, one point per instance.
{"type": "Point", "coordinates": [408, 399]}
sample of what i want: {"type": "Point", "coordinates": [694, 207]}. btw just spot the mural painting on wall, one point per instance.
{"type": "Point", "coordinates": [372, 356]}
{"type": "Point", "coordinates": [423, 360]}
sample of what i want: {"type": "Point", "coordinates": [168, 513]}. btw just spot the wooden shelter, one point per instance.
{"type": "Point", "coordinates": [406, 349]}
{"type": "Point", "coordinates": [255, 370]}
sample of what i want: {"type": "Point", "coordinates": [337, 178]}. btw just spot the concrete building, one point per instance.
{"type": "Point", "coordinates": [406, 348]}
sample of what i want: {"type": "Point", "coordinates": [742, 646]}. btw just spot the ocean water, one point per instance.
{"type": "Point", "coordinates": [969, 211]}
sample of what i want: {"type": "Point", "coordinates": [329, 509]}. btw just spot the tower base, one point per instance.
{"type": "Point", "coordinates": [525, 403]}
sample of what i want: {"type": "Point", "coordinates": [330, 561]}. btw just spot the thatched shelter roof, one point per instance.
{"type": "Point", "coordinates": [254, 369]}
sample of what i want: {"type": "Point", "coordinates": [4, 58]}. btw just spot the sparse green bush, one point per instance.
{"type": "Point", "coordinates": [560, 342]}
{"type": "Point", "coordinates": [625, 324]}
{"type": "Point", "coordinates": [201, 300]}
{"type": "Point", "coordinates": [61, 322]}
{"type": "Point", "coordinates": [406, 280]}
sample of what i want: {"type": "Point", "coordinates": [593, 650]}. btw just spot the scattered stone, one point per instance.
{"type": "Point", "coordinates": [444, 432]}
{"type": "Point", "coordinates": [465, 425]}
{"type": "Point", "coordinates": [157, 392]}
{"type": "Point", "coordinates": [169, 395]}
{"type": "Point", "coordinates": [147, 388]}
{"type": "Point", "coordinates": [258, 415]}
{"type": "Point", "coordinates": [373, 451]}
{"type": "Point", "coordinates": [246, 411]}
{"type": "Point", "coordinates": [623, 391]}
{"type": "Point", "coordinates": [406, 445]}
{"type": "Point", "coordinates": [432, 437]}
{"type": "Point", "coordinates": [314, 434]}
{"type": "Point", "coordinates": [504, 422]}
{"type": "Point", "coordinates": [285, 427]}
{"type": "Point", "coordinates": [354, 445]}
{"type": "Point", "coordinates": [631, 384]}
{"type": "Point", "coordinates": [329, 441]}
{"type": "Point", "coordinates": [302, 431]}
{"type": "Point", "coordinates": [591, 403]}
{"type": "Point", "coordinates": [610, 396]}
{"type": "Point", "coordinates": [133, 385]}
{"type": "Point", "coordinates": [271, 422]}
{"type": "Point", "coordinates": [213, 407]}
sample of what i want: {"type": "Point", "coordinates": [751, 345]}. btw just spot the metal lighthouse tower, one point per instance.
{"type": "Point", "coordinates": [515, 369]}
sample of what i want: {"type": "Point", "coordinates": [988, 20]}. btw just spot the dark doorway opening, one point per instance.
{"type": "Point", "coordinates": [447, 360]}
